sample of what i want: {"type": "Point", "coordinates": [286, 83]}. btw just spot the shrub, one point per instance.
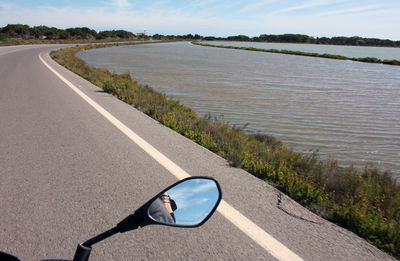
{"type": "Point", "coordinates": [391, 62]}
{"type": "Point", "coordinates": [367, 60]}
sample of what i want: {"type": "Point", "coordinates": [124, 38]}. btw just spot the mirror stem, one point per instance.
{"type": "Point", "coordinates": [101, 237]}
{"type": "Point", "coordinates": [82, 252]}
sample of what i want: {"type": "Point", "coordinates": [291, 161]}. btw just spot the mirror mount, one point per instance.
{"type": "Point", "coordinates": [131, 222]}
{"type": "Point", "coordinates": [135, 220]}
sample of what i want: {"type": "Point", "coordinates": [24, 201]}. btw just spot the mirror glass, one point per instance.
{"type": "Point", "coordinates": [187, 203]}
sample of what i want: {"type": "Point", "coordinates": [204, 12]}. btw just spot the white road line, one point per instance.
{"type": "Point", "coordinates": [265, 240]}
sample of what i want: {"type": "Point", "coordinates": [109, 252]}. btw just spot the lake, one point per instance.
{"type": "Point", "coordinates": [346, 110]}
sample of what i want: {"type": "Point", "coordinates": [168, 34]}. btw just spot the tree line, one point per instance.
{"type": "Point", "coordinates": [177, 37]}
{"type": "Point", "coordinates": [25, 32]}
{"type": "Point", "coordinates": [301, 38]}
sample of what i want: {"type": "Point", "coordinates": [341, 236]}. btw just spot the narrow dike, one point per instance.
{"type": "Point", "coordinates": [325, 55]}
{"type": "Point", "coordinates": [366, 201]}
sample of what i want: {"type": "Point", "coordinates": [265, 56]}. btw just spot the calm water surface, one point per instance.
{"type": "Point", "coordinates": [346, 110]}
{"type": "Point", "coordinates": [348, 51]}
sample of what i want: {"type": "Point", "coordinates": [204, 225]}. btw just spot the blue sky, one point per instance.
{"type": "Point", "coordinates": [366, 18]}
{"type": "Point", "coordinates": [195, 198]}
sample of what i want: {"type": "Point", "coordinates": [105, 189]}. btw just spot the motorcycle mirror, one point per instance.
{"type": "Point", "coordinates": [188, 203]}
{"type": "Point", "coordinates": [192, 200]}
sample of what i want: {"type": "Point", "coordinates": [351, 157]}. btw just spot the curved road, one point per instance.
{"type": "Point", "coordinates": [71, 167]}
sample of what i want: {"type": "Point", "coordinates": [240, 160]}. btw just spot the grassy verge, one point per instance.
{"type": "Point", "coordinates": [366, 201]}
{"type": "Point", "coordinates": [325, 55]}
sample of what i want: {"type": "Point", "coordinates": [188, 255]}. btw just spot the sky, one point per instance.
{"type": "Point", "coordinates": [195, 198]}
{"type": "Point", "coordinates": [365, 18]}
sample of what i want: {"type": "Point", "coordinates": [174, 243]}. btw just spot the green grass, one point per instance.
{"type": "Point", "coordinates": [325, 55]}
{"type": "Point", "coordinates": [365, 201]}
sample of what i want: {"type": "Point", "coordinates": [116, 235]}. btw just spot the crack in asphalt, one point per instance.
{"type": "Point", "coordinates": [279, 206]}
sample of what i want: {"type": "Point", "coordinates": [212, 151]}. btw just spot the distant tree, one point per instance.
{"type": "Point", "coordinates": [64, 35]}
{"type": "Point", "coordinates": [124, 34]}
{"type": "Point", "coordinates": [121, 34]}
{"type": "Point", "coordinates": [16, 30]}
{"type": "Point", "coordinates": [268, 38]}
{"type": "Point", "coordinates": [188, 36]}
{"type": "Point", "coordinates": [39, 31]}
{"type": "Point", "coordinates": [322, 40]}
{"type": "Point", "coordinates": [82, 33]}
{"type": "Point", "coordinates": [170, 37]}
{"type": "Point", "coordinates": [104, 35]}
{"type": "Point", "coordinates": [239, 38]}
{"type": "Point", "coordinates": [43, 32]}
{"type": "Point", "coordinates": [337, 40]}
{"type": "Point", "coordinates": [46, 32]}
{"type": "Point", "coordinates": [158, 36]}
{"type": "Point", "coordinates": [294, 38]}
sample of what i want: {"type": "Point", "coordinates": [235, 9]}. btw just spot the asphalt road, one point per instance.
{"type": "Point", "coordinates": [67, 174]}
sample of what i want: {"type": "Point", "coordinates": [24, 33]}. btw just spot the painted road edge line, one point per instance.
{"type": "Point", "coordinates": [265, 240]}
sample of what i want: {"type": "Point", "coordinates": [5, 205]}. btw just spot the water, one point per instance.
{"type": "Point", "coordinates": [383, 53]}
{"type": "Point", "coordinates": [346, 110]}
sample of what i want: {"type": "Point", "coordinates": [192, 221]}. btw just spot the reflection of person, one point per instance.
{"type": "Point", "coordinates": [162, 209]}
{"type": "Point", "coordinates": [169, 204]}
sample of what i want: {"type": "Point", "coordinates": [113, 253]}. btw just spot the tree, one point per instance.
{"type": "Point", "coordinates": [115, 34]}
{"type": "Point", "coordinates": [16, 30]}
{"type": "Point", "coordinates": [46, 32]}
{"type": "Point", "coordinates": [239, 38]}
{"type": "Point", "coordinates": [82, 33]}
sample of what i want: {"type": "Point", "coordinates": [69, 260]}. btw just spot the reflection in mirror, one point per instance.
{"type": "Point", "coordinates": [187, 203]}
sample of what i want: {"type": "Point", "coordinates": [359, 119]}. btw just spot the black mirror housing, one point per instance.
{"type": "Point", "coordinates": [142, 218]}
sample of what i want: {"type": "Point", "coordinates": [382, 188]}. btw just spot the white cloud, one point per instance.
{"type": "Point", "coordinates": [217, 18]}
{"type": "Point", "coordinates": [122, 4]}
{"type": "Point", "coordinates": [307, 5]}
{"type": "Point", "coordinates": [350, 11]}
{"type": "Point", "coordinates": [254, 6]}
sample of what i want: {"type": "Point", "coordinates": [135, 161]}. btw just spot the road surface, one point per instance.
{"type": "Point", "coordinates": [74, 161]}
